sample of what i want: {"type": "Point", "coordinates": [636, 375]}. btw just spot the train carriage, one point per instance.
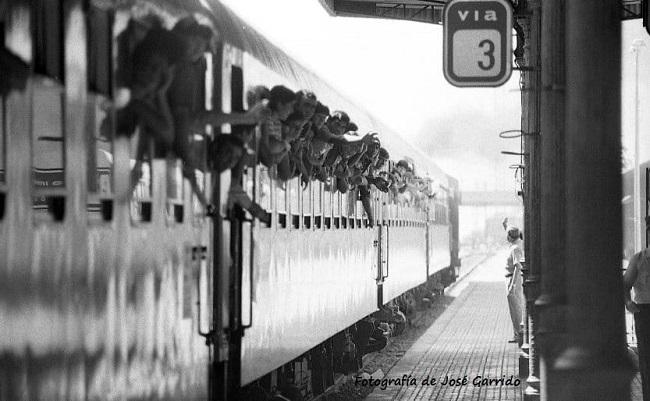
{"type": "Point", "coordinates": [111, 286]}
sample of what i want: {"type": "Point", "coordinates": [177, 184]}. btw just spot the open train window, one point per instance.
{"type": "Point", "coordinates": [100, 51]}
{"type": "Point", "coordinates": [141, 179]}
{"type": "Point", "coordinates": [99, 137]}
{"type": "Point", "coordinates": [295, 194]}
{"type": "Point", "coordinates": [47, 34]}
{"type": "Point", "coordinates": [3, 157]}
{"type": "Point", "coordinates": [198, 141]}
{"type": "Point", "coordinates": [175, 194]}
{"type": "Point", "coordinates": [48, 152]}
{"type": "Point", "coordinates": [101, 116]}
{"type": "Point", "coordinates": [48, 131]}
{"type": "Point", "coordinates": [306, 194]}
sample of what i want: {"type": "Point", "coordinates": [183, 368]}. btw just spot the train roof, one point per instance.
{"type": "Point", "coordinates": [236, 31]}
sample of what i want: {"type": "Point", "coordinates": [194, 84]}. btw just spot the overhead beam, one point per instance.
{"type": "Point", "coordinates": [427, 11]}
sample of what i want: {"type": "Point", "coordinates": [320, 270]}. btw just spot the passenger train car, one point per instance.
{"type": "Point", "coordinates": [116, 291]}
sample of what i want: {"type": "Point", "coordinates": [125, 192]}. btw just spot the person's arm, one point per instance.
{"type": "Point", "coordinates": [516, 270]}
{"type": "Point", "coordinates": [355, 159]}
{"type": "Point", "coordinates": [344, 139]}
{"type": "Point", "coordinates": [158, 122]}
{"type": "Point", "coordinates": [154, 112]}
{"type": "Point", "coordinates": [629, 277]}
{"type": "Point", "coordinates": [251, 117]}
{"type": "Point", "coordinates": [237, 195]}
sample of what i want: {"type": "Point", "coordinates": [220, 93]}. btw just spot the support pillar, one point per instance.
{"type": "Point", "coordinates": [532, 192]}
{"type": "Point", "coordinates": [594, 362]}
{"type": "Point", "coordinates": [531, 282]}
{"type": "Point", "coordinates": [551, 304]}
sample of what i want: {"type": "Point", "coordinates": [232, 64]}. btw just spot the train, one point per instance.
{"type": "Point", "coordinates": [115, 292]}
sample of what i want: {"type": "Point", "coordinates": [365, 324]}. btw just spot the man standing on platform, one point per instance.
{"type": "Point", "coordinates": [514, 280]}
{"type": "Point", "coordinates": [637, 277]}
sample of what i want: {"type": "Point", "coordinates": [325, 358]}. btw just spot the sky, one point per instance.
{"type": "Point", "coordinates": [394, 69]}
{"type": "Point", "coordinates": [634, 31]}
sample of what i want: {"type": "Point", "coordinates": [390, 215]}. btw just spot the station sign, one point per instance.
{"type": "Point", "coordinates": [477, 42]}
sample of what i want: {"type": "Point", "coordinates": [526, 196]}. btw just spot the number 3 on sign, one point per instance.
{"type": "Point", "coordinates": [477, 60]}
{"type": "Point", "coordinates": [489, 53]}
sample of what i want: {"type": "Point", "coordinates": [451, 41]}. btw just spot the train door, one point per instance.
{"type": "Point", "coordinates": [232, 240]}
{"type": "Point", "coordinates": [382, 258]}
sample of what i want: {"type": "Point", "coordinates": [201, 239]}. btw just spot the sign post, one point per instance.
{"type": "Point", "coordinates": [477, 42]}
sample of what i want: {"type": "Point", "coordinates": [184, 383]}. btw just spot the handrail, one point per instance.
{"type": "Point", "coordinates": [387, 254]}
{"type": "Point", "coordinates": [251, 270]}
{"type": "Point", "coordinates": [200, 253]}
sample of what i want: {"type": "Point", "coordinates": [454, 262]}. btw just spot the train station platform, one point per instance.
{"type": "Point", "coordinates": [469, 340]}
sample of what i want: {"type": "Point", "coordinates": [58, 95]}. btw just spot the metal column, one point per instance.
{"type": "Point", "coordinates": [551, 304]}
{"type": "Point", "coordinates": [594, 362]}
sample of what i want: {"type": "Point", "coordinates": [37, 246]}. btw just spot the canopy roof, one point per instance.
{"type": "Point", "coordinates": [428, 11]}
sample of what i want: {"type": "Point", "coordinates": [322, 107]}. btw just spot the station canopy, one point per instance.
{"type": "Point", "coordinates": [428, 11]}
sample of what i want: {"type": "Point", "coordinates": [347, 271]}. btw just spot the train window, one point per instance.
{"type": "Point", "coordinates": [343, 209]}
{"type": "Point", "coordinates": [198, 142]}
{"type": "Point", "coordinates": [100, 157]}
{"type": "Point", "coordinates": [336, 200]}
{"type": "Point", "coordinates": [281, 197]}
{"type": "Point", "coordinates": [2, 133]}
{"type": "Point", "coordinates": [48, 38]}
{"type": "Point", "coordinates": [237, 88]}
{"type": "Point", "coordinates": [48, 155]}
{"type": "Point", "coordinates": [2, 157]}
{"type": "Point", "coordinates": [2, 142]}
{"type": "Point", "coordinates": [306, 203]}
{"type": "Point", "coordinates": [174, 191]}
{"type": "Point", "coordinates": [101, 116]}
{"type": "Point", "coordinates": [100, 51]}
{"type": "Point", "coordinates": [294, 196]}
{"type": "Point", "coordinates": [282, 220]}
{"type": "Point", "coordinates": [317, 197]}
{"type": "Point", "coordinates": [141, 181]}
{"type": "Point", "coordinates": [317, 188]}
{"type": "Point", "coordinates": [263, 187]}
{"type": "Point", "coordinates": [328, 201]}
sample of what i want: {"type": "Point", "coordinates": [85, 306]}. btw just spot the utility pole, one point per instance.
{"type": "Point", "coordinates": [593, 362]}
{"type": "Point", "coordinates": [551, 304]}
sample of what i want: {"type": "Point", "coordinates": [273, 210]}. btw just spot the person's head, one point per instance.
{"type": "Point", "coordinates": [402, 166]}
{"type": "Point", "coordinates": [352, 127]}
{"type": "Point", "coordinates": [351, 149]}
{"type": "Point", "coordinates": [306, 103]}
{"type": "Point", "coordinates": [293, 123]}
{"type": "Point", "coordinates": [153, 58]}
{"type": "Point", "coordinates": [246, 133]}
{"type": "Point", "coordinates": [373, 146]}
{"type": "Point", "coordinates": [225, 152]}
{"type": "Point", "coordinates": [513, 234]}
{"type": "Point", "coordinates": [281, 101]}
{"type": "Point", "coordinates": [197, 37]}
{"type": "Point", "coordinates": [382, 158]}
{"type": "Point", "coordinates": [319, 147]}
{"type": "Point", "coordinates": [338, 122]}
{"type": "Point", "coordinates": [320, 115]}
{"type": "Point", "coordinates": [256, 94]}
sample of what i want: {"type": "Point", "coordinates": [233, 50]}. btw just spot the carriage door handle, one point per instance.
{"type": "Point", "coordinates": [200, 255]}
